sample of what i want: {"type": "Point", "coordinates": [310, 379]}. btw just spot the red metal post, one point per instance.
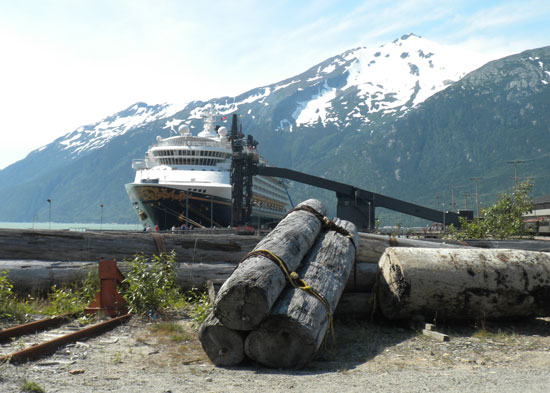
{"type": "Point", "coordinates": [108, 300]}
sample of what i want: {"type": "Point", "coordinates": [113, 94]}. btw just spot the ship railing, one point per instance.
{"type": "Point", "coordinates": [184, 142]}
{"type": "Point", "coordinates": [139, 164]}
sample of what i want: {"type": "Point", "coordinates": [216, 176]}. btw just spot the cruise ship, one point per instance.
{"type": "Point", "coordinates": [184, 182]}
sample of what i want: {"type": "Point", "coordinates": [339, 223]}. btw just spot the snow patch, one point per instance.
{"type": "Point", "coordinates": [316, 109]}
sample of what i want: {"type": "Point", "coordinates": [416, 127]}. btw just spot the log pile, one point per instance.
{"type": "Point", "coordinates": [257, 296]}
{"type": "Point", "coordinates": [297, 324]}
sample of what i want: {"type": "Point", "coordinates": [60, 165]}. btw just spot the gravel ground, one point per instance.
{"type": "Point", "coordinates": [507, 357]}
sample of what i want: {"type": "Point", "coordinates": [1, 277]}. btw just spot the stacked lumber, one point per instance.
{"type": "Point", "coordinates": [257, 298]}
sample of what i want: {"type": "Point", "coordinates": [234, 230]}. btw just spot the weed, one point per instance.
{"type": "Point", "coordinates": [116, 358]}
{"type": "Point", "coordinates": [74, 298]}
{"type": "Point", "coordinates": [199, 305]}
{"type": "Point", "coordinates": [172, 330]}
{"type": "Point", "coordinates": [151, 284]}
{"type": "Point", "coordinates": [31, 387]}
{"type": "Point", "coordinates": [11, 307]}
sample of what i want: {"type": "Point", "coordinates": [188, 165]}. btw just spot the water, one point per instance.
{"type": "Point", "coordinates": [72, 226]}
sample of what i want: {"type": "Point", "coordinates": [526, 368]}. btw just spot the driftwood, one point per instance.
{"type": "Point", "coordinates": [373, 246]}
{"type": "Point", "coordinates": [362, 277]}
{"type": "Point", "coordinates": [190, 247]}
{"type": "Point", "coordinates": [358, 305]}
{"type": "Point", "coordinates": [246, 297]}
{"type": "Point", "coordinates": [29, 276]}
{"type": "Point", "coordinates": [32, 276]}
{"type": "Point", "coordinates": [223, 346]}
{"type": "Point", "coordinates": [465, 284]}
{"type": "Point", "coordinates": [298, 322]}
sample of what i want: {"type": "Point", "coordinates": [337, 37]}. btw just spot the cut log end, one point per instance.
{"type": "Point", "coordinates": [242, 307]}
{"type": "Point", "coordinates": [224, 347]}
{"type": "Point", "coordinates": [280, 343]}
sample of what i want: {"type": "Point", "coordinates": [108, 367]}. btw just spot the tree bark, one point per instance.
{"type": "Point", "coordinates": [373, 246]}
{"type": "Point", "coordinates": [298, 322]}
{"type": "Point", "coordinates": [245, 299]}
{"type": "Point", "coordinates": [358, 305]}
{"type": "Point", "coordinates": [192, 246]}
{"type": "Point", "coordinates": [223, 346]}
{"type": "Point", "coordinates": [362, 277]}
{"type": "Point", "coordinates": [467, 284]}
{"type": "Point", "coordinates": [31, 276]}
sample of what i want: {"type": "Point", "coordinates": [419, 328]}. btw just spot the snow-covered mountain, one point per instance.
{"type": "Point", "coordinates": [373, 117]}
{"type": "Point", "coordinates": [95, 136]}
{"type": "Point", "coordinates": [348, 90]}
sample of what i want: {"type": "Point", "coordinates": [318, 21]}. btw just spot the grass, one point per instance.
{"type": "Point", "coordinates": [178, 343]}
{"type": "Point", "coordinates": [31, 387]}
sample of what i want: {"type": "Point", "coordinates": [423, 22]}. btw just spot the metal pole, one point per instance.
{"type": "Point", "coordinates": [516, 162]}
{"type": "Point", "coordinates": [452, 197]}
{"type": "Point", "coordinates": [187, 210]}
{"type": "Point", "coordinates": [369, 215]}
{"type": "Point", "coordinates": [101, 221]}
{"type": "Point", "coordinates": [50, 214]}
{"type": "Point", "coordinates": [475, 179]}
{"type": "Point", "coordinates": [211, 211]}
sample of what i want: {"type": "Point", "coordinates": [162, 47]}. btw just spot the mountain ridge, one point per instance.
{"type": "Point", "coordinates": [316, 122]}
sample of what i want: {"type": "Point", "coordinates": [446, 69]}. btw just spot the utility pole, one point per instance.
{"type": "Point", "coordinates": [475, 179]}
{"type": "Point", "coordinates": [50, 214]}
{"type": "Point", "coordinates": [516, 162]}
{"type": "Point", "coordinates": [466, 200]}
{"type": "Point", "coordinates": [452, 197]}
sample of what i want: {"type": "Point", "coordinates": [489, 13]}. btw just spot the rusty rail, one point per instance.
{"type": "Point", "coordinates": [34, 326]}
{"type": "Point", "coordinates": [51, 346]}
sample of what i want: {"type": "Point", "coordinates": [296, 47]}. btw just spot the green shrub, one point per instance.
{"type": "Point", "coordinates": [74, 298]}
{"type": "Point", "coordinates": [7, 297]}
{"type": "Point", "coordinates": [501, 220]}
{"type": "Point", "coordinates": [31, 387]}
{"type": "Point", "coordinates": [199, 305]}
{"type": "Point", "coordinates": [150, 284]}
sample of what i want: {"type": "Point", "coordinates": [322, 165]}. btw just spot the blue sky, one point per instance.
{"type": "Point", "coordinates": [68, 63]}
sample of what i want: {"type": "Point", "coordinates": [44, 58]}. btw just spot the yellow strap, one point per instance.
{"type": "Point", "coordinates": [297, 282]}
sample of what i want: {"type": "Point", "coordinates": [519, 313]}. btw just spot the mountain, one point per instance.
{"type": "Point", "coordinates": [408, 119]}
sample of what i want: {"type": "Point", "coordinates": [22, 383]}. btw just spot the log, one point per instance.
{"type": "Point", "coordinates": [358, 305]}
{"type": "Point", "coordinates": [362, 277]}
{"type": "Point", "coordinates": [32, 276]}
{"type": "Point", "coordinates": [464, 284]}
{"type": "Point", "coordinates": [298, 322]}
{"type": "Point", "coordinates": [223, 346]}
{"type": "Point", "coordinates": [373, 246]}
{"type": "Point", "coordinates": [191, 246]}
{"type": "Point", "coordinates": [245, 299]}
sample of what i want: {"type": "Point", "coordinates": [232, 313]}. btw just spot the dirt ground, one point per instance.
{"type": "Point", "coordinates": [377, 357]}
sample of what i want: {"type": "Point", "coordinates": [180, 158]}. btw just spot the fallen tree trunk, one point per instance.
{"type": "Point", "coordinates": [33, 276]}
{"type": "Point", "coordinates": [223, 346]}
{"type": "Point", "coordinates": [359, 305]}
{"type": "Point", "coordinates": [29, 276]}
{"type": "Point", "coordinates": [298, 322]}
{"type": "Point", "coordinates": [18, 244]}
{"type": "Point", "coordinates": [373, 246]}
{"type": "Point", "coordinates": [465, 284]}
{"type": "Point", "coordinates": [362, 277]}
{"type": "Point", "coordinates": [245, 299]}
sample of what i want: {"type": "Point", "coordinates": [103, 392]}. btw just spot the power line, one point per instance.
{"type": "Point", "coordinates": [516, 162]}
